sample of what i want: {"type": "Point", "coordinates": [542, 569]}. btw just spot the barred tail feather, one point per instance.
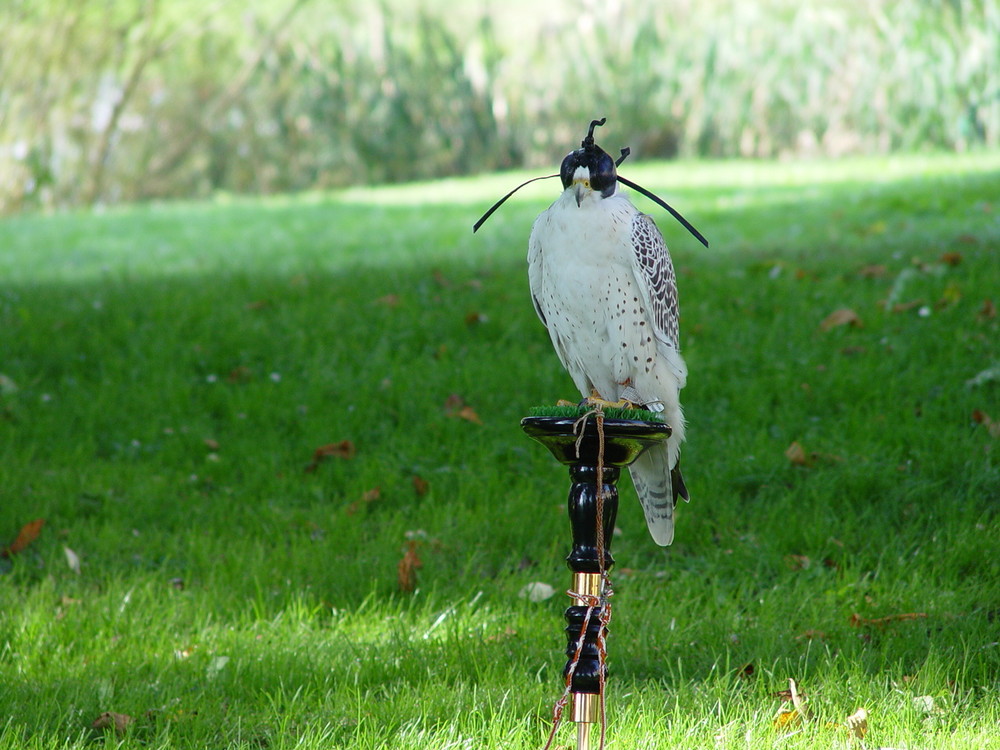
{"type": "Point", "coordinates": [655, 484]}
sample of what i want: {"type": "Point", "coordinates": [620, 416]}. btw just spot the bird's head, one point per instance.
{"type": "Point", "coordinates": [590, 171]}
{"type": "Point", "coordinates": [589, 168]}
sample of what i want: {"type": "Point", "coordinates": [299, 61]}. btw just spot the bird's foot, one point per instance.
{"type": "Point", "coordinates": [629, 399]}
{"type": "Point", "coordinates": [629, 393]}
{"type": "Point", "coordinates": [596, 401]}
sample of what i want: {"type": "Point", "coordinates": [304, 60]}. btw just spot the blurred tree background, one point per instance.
{"type": "Point", "coordinates": [121, 100]}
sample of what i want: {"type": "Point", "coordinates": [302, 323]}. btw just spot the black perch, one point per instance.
{"type": "Point", "coordinates": [624, 441]}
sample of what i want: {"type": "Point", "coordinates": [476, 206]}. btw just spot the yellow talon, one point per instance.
{"type": "Point", "coordinates": [595, 399]}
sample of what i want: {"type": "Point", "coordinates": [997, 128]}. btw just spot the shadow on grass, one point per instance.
{"type": "Point", "coordinates": [162, 422]}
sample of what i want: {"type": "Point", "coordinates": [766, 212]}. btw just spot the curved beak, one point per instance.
{"type": "Point", "coordinates": [580, 189]}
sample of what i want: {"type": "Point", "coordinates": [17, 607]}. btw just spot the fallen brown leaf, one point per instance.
{"type": "Point", "coordinates": [901, 307]}
{"type": "Point", "coordinates": [842, 317]}
{"type": "Point", "coordinates": [508, 633]}
{"type": "Point", "coordinates": [797, 562]}
{"type": "Point", "coordinates": [799, 711]}
{"type": "Point", "coordinates": [469, 414]}
{"type": "Point", "coordinates": [455, 406]}
{"type": "Point", "coordinates": [952, 258]}
{"type": "Point", "coordinates": [112, 720]}
{"type": "Point", "coordinates": [369, 496]}
{"type": "Point", "coordinates": [454, 402]}
{"type": "Point", "coordinates": [408, 566]}
{"type": "Point", "coordinates": [420, 485]}
{"type": "Point", "coordinates": [239, 375]}
{"type": "Point", "coordinates": [852, 351]}
{"type": "Point", "coordinates": [786, 718]}
{"type": "Point", "coordinates": [988, 311]}
{"type": "Point", "coordinates": [857, 723]}
{"type": "Point", "coordinates": [857, 621]}
{"type": "Point", "coordinates": [797, 454]}
{"type": "Point", "coordinates": [981, 417]}
{"type": "Point", "coordinates": [28, 533]}
{"type": "Point", "coordinates": [876, 271]}
{"type": "Point", "coordinates": [344, 449]}
{"type": "Point", "coordinates": [811, 635]}
{"type": "Point", "coordinates": [65, 602]}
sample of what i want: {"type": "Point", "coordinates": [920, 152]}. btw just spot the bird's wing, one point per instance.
{"type": "Point", "coordinates": [535, 272]}
{"type": "Point", "coordinates": [656, 473]}
{"type": "Point", "coordinates": [657, 282]}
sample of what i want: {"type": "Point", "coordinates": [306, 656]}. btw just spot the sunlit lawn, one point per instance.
{"type": "Point", "coordinates": [167, 374]}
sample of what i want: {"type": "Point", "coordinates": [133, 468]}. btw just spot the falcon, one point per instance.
{"type": "Point", "coordinates": [603, 284]}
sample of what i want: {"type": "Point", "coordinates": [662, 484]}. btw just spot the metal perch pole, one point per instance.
{"type": "Point", "coordinates": [595, 450]}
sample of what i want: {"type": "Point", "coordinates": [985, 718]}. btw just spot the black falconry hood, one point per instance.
{"type": "Point", "coordinates": [603, 174]}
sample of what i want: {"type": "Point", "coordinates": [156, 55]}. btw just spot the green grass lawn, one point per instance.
{"type": "Point", "coordinates": [168, 373]}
